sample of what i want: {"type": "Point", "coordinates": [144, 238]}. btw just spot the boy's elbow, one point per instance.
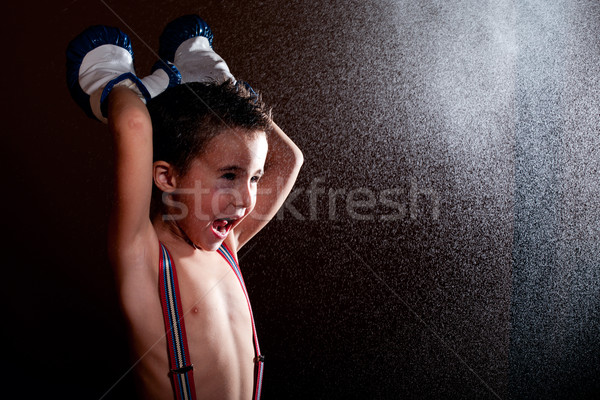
{"type": "Point", "coordinates": [295, 158]}
{"type": "Point", "coordinates": [126, 112]}
{"type": "Point", "coordinates": [298, 158]}
{"type": "Point", "coordinates": [138, 120]}
{"type": "Point", "coordinates": [131, 119]}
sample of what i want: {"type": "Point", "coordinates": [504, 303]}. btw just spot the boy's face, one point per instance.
{"type": "Point", "coordinates": [219, 189]}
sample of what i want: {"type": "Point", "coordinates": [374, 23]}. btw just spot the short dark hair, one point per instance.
{"type": "Point", "coordinates": [185, 117]}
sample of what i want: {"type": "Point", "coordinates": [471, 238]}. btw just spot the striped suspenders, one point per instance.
{"type": "Point", "coordinates": [260, 359]}
{"type": "Point", "coordinates": [181, 366]}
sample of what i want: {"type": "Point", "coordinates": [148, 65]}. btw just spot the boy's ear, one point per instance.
{"type": "Point", "coordinates": [164, 176]}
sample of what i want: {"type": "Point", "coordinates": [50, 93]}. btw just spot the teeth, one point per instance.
{"type": "Point", "coordinates": [220, 225]}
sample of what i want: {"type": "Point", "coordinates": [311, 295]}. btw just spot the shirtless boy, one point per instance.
{"type": "Point", "coordinates": [200, 169]}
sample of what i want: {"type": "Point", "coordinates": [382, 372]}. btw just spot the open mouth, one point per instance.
{"type": "Point", "coordinates": [222, 226]}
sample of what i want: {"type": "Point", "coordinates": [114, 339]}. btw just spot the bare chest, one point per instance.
{"type": "Point", "coordinates": [218, 323]}
{"type": "Point", "coordinates": [218, 326]}
{"type": "Point", "coordinates": [213, 297]}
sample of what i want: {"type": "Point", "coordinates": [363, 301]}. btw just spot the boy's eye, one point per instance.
{"type": "Point", "coordinates": [229, 176]}
{"type": "Point", "coordinates": [255, 179]}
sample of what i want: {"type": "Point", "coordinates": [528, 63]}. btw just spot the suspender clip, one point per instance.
{"type": "Point", "coordinates": [259, 358]}
{"type": "Point", "coordinates": [183, 370]}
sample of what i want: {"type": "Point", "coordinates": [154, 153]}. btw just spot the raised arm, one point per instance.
{"type": "Point", "coordinates": [284, 160]}
{"type": "Point", "coordinates": [131, 128]}
{"type": "Point", "coordinates": [102, 80]}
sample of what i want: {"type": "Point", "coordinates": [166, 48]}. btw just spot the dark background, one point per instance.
{"type": "Point", "coordinates": [475, 123]}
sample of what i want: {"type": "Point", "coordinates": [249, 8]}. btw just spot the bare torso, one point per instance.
{"type": "Point", "coordinates": [217, 321]}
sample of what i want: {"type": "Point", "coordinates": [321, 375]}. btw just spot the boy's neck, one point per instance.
{"type": "Point", "coordinates": [171, 231]}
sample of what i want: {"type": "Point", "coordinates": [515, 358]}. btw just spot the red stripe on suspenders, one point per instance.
{"type": "Point", "coordinates": [181, 368]}
{"type": "Point", "coordinates": [259, 360]}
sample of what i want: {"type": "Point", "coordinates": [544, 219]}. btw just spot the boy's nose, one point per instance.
{"type": "Point", "coordinates": [244, 200]}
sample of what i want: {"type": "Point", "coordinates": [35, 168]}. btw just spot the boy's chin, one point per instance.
{"type": "Point", "coordinates": [210, 245]}
{"type": "Point", "coordinates": [214, 247]}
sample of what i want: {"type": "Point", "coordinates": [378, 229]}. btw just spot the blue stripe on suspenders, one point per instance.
{"type": "Point", "coordinates": [181, 368]}
{"type": "Point", "coordinates": [260, 359]}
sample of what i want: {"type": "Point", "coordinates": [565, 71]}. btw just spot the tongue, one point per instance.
{"type": "Point", "coordinates": [220, 225]}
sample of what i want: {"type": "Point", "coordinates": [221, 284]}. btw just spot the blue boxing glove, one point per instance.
{"type": "Point", "coordinates": [101, 58]}
{"type": "Point", "coordinates": [187, 43]}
